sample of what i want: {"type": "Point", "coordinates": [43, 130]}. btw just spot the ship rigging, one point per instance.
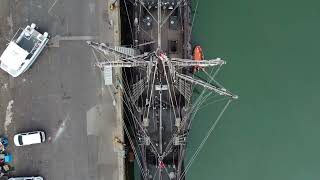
{"type": "Point", "coordinates": [158, 84]}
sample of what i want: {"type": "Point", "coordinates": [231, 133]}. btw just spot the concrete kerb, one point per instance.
{"type": "Point", "coordinates": [114, 14]}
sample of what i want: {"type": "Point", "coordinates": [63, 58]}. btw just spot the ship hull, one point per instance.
{"type": "Point", "coordinates": [156, 106]}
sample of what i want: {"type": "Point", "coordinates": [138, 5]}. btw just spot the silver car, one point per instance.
{"type": "Point", "coordinates": [26, 178]}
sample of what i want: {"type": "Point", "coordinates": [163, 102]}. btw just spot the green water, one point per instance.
{"type": "Point", "coordinates": [272, 51]}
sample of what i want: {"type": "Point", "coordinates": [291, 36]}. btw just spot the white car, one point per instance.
{"type": "Point", "coordinates": [23, 50]}
{"type": "Point", "coordinates": [26, 178]}
{"type": "Point", "coordinates": [28, 138]}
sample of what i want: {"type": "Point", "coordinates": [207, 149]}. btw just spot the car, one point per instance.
{"type": "Point", "coordinates": [26, 178]}
{"type": "Point", "coordinates": [23, 50]}
{"type": "Point", "coordinates": [28, 138]}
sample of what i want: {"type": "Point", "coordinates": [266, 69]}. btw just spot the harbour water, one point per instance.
{"type": "Point", "coordinates": [272, 51]}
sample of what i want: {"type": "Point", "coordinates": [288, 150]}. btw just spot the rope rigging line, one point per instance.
{"type": "Point", "coordinates": [142, 4]}
{"type": "Point", "coordinates": [193, 110]}
{"type": "Point", "coordinates": [151, 91]}
{"type": "Point", "coordinates": [133, 115]}
{"type": "Point", "coordinates": [140, 94]}
{"type": "Point", "coordinates": [172, 11]}
{"type": "Point", "coordinates": [130, 24]}
{"type": "Point", "coordinates": [193, 18]}
{"type": "Point", "coordinates": [207, 104]}
{"type": "Point", "coordinates": [129, 137]}
{"type": "Point", "coordinates": [169, 89]}
{"type": "Point", "coordinates": [134, 151]}
{"type": "Point", "coordinates": [204, 140]}
{"type": "Point", "coordinates": [141, 127]}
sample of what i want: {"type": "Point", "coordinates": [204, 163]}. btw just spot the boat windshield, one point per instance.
{"type": "Point", "coordinates": [20, 140]}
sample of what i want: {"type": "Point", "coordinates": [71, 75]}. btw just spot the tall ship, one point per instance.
{"type": "Point", "coordinates": [159, 70]}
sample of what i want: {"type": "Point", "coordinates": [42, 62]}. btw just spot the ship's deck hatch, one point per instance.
{"type": "Point", "coordinates": [173, 23]}
{"type": "Point", "coordinates": [173, 46]}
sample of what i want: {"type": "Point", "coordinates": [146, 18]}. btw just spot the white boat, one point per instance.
{"type": "Point", "coordinates": [23, 50]}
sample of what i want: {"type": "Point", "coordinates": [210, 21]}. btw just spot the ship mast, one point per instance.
{"type": "Point", "coordinates": [159, 24]}
{"type": "Point", "coordinates": [160, 93]}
